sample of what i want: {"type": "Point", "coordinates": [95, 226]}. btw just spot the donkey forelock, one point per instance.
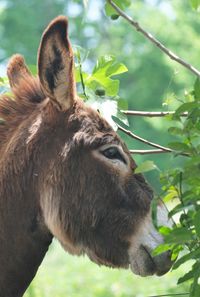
{"type": "Point", "coordinates": [68, 159]}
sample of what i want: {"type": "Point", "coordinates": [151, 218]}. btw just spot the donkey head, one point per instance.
{"type": "Point", "coordinates": [90, 197]}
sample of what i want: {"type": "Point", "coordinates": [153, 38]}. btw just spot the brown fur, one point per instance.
{"type": "Point", "coordinates": [53, 179]}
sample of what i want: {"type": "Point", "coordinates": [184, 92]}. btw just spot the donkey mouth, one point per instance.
{"type": "Point", "coordinates": [144, 264]}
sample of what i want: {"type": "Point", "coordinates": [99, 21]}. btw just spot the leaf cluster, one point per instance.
{"type": "Point", "coordinates": [100, 87]}
{"type": "Point", "coordinates": [181, 186]}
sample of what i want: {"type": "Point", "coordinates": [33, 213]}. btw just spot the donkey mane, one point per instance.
{"type": "Point", "coordinates": [16, 107]}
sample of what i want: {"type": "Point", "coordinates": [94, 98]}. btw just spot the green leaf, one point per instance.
{"type": "Point", "coordinates": [103, 63]}
{"type": "Point", "coordinates": [109, 10]}
{"type": "Point", "coordinates": [114, 17]}
{"type": "Point", "coordinates": [108, 66]}
{"type": "Point", "coordinates": [177, 248]}
{"type": "Point", "coordinates": [146, 166]}
{"type": "Point", "coordinates": [179, 235]}
{"type": "Point", "coordinates": [120, 122]}
{"type": "Point", "coordinates": [178, 208]}
{"type": "Point", "coordinates": [123, 118]}
{"type": "Point", "coordinates": [186, 277]}
{"type": "Point", "coordinates": [121, 4]}
{"type": "Point", "coordinates": [165, 230]}
{"type": "Point", "coordinates": [105, 68]}
{"type": "Point", "coordinates": [186, 107]}
{"type": "Point", "coordinates": [116, 69]}
{"type": "Point", "coordinates": [196, 290]}
{"type": "Point", "coordinates": [111, 86]}
{"type": "Point", "coordinates": [179, 146]}
{"type": "Point", "coordinates": [171, 194]}
{"type": "Point", "coordinates": [193, 117]}
{"type": "Point", "coordinates": [189, 256]}
{"type": "Point", "coordinates": [197, 89]}
{"type": "Point", "coordinates": [161, 249]}
{"type": "Point", "coordinates": [195, 3]}
{"type": "Point", "coordinates": [195, 287]}
{"type": "Point", "coordinates": [197, 222]}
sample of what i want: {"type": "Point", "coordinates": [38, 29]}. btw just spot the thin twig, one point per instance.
{"type": "Point", "coordinates": [82, 82]}
{"type": "Point", "coordinates": [180, 190]}
{"type": "Point", "coordinates": [183, 205]}
{"type": "Point", "coordinates": [169, 295]}
{"type": "Point", "coordinates": [147, 152]}
{"type": "Point", "coordinates": [131, 134]}
{"type": "Point", "coordinates": [151, 114]}
{"type": "Point", "coordinates": [81, 76]}
{"type": "Point", "coordinates": [155, 41]}
{"type": "Point", "coordinates": [160, 147]}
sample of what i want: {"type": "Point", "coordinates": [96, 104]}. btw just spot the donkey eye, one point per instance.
{"type": "Point", "coordinates": [113, 153]}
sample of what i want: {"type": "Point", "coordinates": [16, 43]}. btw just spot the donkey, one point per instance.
{"type": "Point", "coordinates": [65, 173]}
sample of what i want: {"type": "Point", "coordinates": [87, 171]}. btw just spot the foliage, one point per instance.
{"type": "Point", "coordinates": [182, 186]}
{"type": "Point", "coordinates": [145, 167]}
{"type": "Point", "coordinates": [100, 79]}
{"type": "Point", "coordinates": [99, 89]}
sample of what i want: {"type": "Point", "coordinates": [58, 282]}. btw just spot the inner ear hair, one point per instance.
{"type": "Point", "coordinates": [55, 64]}
{"type": "Point", "coordinates": [17, 70]}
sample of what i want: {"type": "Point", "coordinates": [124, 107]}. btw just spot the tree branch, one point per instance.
{"type": "Point", "coordinates": [160, 147]}
{"type": "Point", "coordinates": [155, 41]}
{"type": "Point", "coordinates": [151, 114]}
{"type": "Point", "coordinates": [147, 152]}
{"type": "Point", "coordinates": [171, 295]}
{"type": "Point", "coordinates": [81, 75]}
{"type": "Point", "coordinates": [131, 134]}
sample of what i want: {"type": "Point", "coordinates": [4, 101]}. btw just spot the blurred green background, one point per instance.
{"type": "Point", "coordinates": [153, 82]}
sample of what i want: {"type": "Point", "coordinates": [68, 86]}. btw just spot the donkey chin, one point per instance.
{"type": "Point", "coordinates": [141, 246]}
{"type": "Point", "coordinates": [142, 262]}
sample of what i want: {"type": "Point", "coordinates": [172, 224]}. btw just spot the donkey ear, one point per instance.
{"type": "Point", "coordinates": [55, 64]}
{"type": "Point", "coordinates": [17, 70]}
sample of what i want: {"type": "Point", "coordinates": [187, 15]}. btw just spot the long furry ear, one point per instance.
{"type": "Point", "coordinates": [17, 70]}
{"type": "Point", "coordinates": [55, 64]}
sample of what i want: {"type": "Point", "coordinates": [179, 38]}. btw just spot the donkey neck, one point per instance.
{"type": "Point", "coordinates": [24, 239]}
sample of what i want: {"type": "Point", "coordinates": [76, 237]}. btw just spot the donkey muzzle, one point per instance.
{"type": "Point", "coordinates": [142, 262]}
